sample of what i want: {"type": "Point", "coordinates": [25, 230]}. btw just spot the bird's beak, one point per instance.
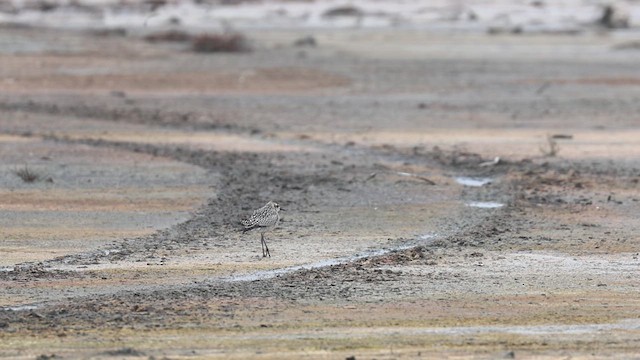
{"type": "Point", "coordinates": [281, 209]}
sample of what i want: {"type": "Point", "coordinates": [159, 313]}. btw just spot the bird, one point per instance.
{"type": "Point", "coordinates": [264, 219]}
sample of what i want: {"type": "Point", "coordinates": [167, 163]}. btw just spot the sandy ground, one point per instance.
{"type": "Point", "coordinates": [149, 155]}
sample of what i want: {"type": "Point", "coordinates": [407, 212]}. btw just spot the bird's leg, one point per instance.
{"type": "Point", "coordinates": [265, 246]}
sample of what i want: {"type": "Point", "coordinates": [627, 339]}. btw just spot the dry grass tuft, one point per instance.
{"type": "Point", "coordinates": [343, 11]}
{"type": "Point", "coordinates": [229, 42]}
{"type": "Point", "coordinates": [27, 175]}
{"type": "Point", "coordinates": [169, 36]}
{"type": "Point", "coordinates": [210, 43]}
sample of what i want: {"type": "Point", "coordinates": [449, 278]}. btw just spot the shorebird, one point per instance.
{"type": "Point", "coordinates": [264, 219]}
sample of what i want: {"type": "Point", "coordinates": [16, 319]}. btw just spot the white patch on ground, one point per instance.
{"type": "Point", "coordinates": [485, 204]}
{"type": "Point", "coordinates": [473, 182]}
{"type": "Point", "coordinates": [429, 236]}
{"type": "Point", "coordinates": [472, 15]}
{"type": "Point", "coordinates": [20, 308]}
{"type": "Point", "coordinates": [533, 273]}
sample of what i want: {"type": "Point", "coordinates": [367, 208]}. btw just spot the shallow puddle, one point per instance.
{"type": "Point", "coordinates": [485, 204]}
{"type": "Point", "coordinates": [473, 181]}
{"type": "Point", "coordinates": [20, 308]}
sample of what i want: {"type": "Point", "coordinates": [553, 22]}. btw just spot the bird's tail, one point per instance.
{"type": "Point", "coordinates": [246, 227]}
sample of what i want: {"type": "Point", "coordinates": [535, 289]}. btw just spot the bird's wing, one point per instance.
{"type": "Point", "coordinates": [256, 217]}
{"type": "Point", "coordinates": [269, 219]}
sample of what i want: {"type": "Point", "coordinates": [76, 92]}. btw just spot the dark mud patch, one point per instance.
{"type": "Point", "coordinates": [129, 113]}
{"type": "Point", "coordinates": [246, 179]}
{"type": "Point", "coordinates": [36, 271]}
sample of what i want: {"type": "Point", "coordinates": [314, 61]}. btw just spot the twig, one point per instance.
{"type": "Point", "coordinates": [493, 162]}
{"type": "Point", "coordinates": [416, 176]}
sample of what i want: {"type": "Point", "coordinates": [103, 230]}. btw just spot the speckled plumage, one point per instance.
{"type": "Point", "coordinates": [264, 219]}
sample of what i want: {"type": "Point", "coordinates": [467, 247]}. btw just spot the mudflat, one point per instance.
{"type": "Point", "coordinates": [445, 195]}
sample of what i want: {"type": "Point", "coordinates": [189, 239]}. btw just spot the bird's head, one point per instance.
{"type": "Point", "coordinates": [275, 206]}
